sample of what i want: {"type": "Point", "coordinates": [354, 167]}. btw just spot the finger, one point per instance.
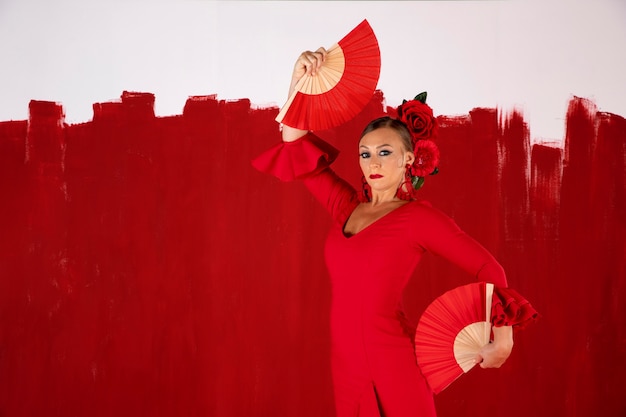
{"type": "Point", "coordinates": [322, 51]}
{"type": "Point", "coordinates": [301, 67]}
{"type": "Point", "coordinates": [308, 61]}
{"type": "Point", "coordinates": [485, 363]}
{"type": "Point", "coordinates": [317, 59]}
{"type": "Point", "coordinates": [494, 365]}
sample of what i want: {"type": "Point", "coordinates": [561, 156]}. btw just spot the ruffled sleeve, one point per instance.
{"type": "Point", "coordinates": [296, 160]}
{"type": "Point", "coordinates": [509, 308]}
{"type": "Point", "coordinates": [309, 159]}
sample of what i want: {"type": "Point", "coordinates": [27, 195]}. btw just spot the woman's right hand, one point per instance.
{"type": "Point", "coordinates": [308, 63]}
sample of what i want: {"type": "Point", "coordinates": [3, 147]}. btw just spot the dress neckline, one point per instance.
{"type": "Point", "coordinates": [369, 226]}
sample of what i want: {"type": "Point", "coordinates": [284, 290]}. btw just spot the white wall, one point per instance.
{"type": "Point", "coordinates": [531, 54]}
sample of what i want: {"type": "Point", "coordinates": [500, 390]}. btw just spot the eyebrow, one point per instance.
{"type": "Point", "coordinates": [379, 146]}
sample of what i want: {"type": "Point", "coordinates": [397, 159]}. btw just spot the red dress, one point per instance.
{"type": "Point", "coordinates": [373, 362]}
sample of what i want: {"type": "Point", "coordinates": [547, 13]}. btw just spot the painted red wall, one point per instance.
{"type": "Point", "coordinates": [146, 269]}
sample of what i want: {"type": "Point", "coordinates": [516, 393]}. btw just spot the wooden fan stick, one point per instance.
{"type": "Point", "coordinates": [488, 303]}
{"type": "Point", "coordinates": [473, 337]}
{"type": "Point", "coordinates": [328, 79]}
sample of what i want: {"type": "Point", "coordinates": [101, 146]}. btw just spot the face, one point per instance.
{"type": "Point", "coordinates": [383, 159]}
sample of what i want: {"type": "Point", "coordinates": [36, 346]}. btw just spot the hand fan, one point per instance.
{"type": "Point", "coordinates": [451, 331]}
{"type": "Point", "coordinates": [342, 86]}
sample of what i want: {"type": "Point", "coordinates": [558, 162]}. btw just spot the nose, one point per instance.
{"type": "Point", "coordinates": [374, 161]}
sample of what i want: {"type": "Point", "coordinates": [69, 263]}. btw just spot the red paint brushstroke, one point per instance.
{"type": "Point", "coordinates": [147, 269]}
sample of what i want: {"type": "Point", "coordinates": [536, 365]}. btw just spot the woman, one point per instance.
{"type": "Point", "coordinates": [372, 250]}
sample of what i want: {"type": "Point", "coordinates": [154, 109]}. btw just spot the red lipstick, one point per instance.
{"type": "Point", "coordinates": [375, 176]}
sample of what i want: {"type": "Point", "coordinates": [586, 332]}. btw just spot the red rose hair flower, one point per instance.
{"type": "Point", "coordinates": [418, 117]}
{"type": "Point", "coordinates": [426, 158]}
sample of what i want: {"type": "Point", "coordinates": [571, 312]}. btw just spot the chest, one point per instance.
{"type": "Point", "coordinates": [364, 216]}
{"type": "Point", "coordinates": [381, 253]}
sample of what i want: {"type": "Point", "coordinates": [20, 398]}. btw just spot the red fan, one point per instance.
{"type": "Point", "coordinates": [342, 86]}
{"type": "Point", "coordinates": [452, 331]}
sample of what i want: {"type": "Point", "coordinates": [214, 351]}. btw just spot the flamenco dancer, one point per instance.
{"type": "Point", "coordinates": [374, 369]}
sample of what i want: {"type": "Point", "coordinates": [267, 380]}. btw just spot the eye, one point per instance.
{"type": "Point", "coordinates": [385, 152]}
{"type": "Point", "coordinates": [364, 155]}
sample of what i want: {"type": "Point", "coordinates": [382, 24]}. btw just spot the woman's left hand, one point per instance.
{"type": "Point", "coordinates": [494, 354]}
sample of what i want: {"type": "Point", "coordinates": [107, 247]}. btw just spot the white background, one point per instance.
{"type": "Point", "coordinates": [531, 55]}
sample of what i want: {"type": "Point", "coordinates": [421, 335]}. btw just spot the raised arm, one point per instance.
{"type": "Point", "coordinates": [307, 63]}
{"type": "Point", "coordinates": [304, 156]}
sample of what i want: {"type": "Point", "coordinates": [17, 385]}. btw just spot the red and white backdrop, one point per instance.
{"type": "Point", "coordinates": [147, 269]}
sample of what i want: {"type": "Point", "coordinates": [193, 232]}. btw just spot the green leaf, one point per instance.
{"type": "Point", "coordinates": [421, 97]}
{"type": "Point", "coordinates": [435, 171]}
{"type": "Point", "coordinates": [417, 182]}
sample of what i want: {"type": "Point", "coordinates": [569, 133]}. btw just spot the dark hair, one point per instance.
{"type": "Point", "coordinates": [395, 124]}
